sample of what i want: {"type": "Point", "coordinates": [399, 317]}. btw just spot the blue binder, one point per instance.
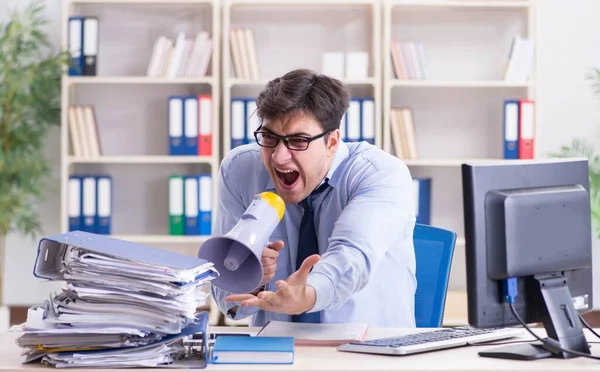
{"type": "Point", "coordinates": [511, 129]}
{"type": "Point", "coordinates": [75, 43]}
{"type": "Point", "coordinates": [51, 248]}
{"type": "Point", "coordinates": [253, 350]}
{"type": "Point", "coordinates": [423, 201]}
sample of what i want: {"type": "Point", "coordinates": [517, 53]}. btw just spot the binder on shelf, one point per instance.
{"type": "Point", "coordinates": [353, 121]}
{"type": "Point", "coordinates": [205, 204]}
{"type": "Point", "coordinates": [83, 45]}
{"type": "Point", "coordinates": [90, 46]}
{"type": "Point", "coordinates": [89, 199]}
{"type": "Point", "coordinates": [511, 129]}
{"type": "Point", "coordinates": [176, 207]}
{"type": "Point", "coordinates": [343, 125]}
{"type": "Point", "coordinates": [89, 203]}
{"type": "Point", "coordinates": [75, 45]}
{"type": "Point", "coordinates": [238, 122]}
{"type": "Point", "coordinates": [176, 146]}
{"type": "Point", "coordinates": [190, 125]}
{"type": "Point", "coordinates": [191, 208]}
{"type": "Point", "coordinates": [526, 128]}
{"type": "Point", "coordinates": [367, 120]}
{"type": "Point", "coordinates": [205, 117]}
{"type": "Point", "coordinates": [104, 196]}
{"type": "Point", "coordinates": [74, 203]}
{"type": "Point", "coordinates": [422, 199]}
{"type": "Point", "coordinates": [252, 119]}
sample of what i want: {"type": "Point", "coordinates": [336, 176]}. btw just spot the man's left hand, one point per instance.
{"type": "Point", "coordinates": [292, 296]}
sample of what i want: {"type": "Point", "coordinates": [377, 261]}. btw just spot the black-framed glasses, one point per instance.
{"type": "Point", "coordinates": [293, 142]}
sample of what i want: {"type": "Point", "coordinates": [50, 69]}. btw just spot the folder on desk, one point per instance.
{"type": "Point", "coordinates": [122, 303]}
{"type": "Point", "coordinates": [180, 268]}
{"type": "Point", "coordinates": [253, 350]}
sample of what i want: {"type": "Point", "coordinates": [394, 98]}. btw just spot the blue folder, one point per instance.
{"type": "Point", "coordinates": [51, 248]}
{"type": "Point", "coordinates": [253, 350]}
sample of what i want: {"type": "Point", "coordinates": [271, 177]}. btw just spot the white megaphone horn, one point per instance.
{"type": "Point", "coordinates": [236, 255]}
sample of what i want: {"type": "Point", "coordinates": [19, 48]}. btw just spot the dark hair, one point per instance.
{"type": "Point", "coordinates": [305, 92]}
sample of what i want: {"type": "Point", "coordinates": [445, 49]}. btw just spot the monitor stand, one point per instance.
{"type": "Point", "coordinates": [560, 320]}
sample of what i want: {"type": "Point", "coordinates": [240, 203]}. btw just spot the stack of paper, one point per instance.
{"type": "Point", "coordinates": [121, 304]}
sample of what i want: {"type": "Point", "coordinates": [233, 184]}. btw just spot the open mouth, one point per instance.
{"type": "Point", "coordinates": [288, 177]}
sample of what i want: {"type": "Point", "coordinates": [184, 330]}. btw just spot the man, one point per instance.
{"type": "Point", "coordinates": [350, 257]}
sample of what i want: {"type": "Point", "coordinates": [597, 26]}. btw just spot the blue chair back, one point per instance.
{"type": "Point", "coordinates": [434, 248]}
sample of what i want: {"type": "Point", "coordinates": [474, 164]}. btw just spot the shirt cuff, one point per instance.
{"type": "Point", "coordinates": [323, 291]}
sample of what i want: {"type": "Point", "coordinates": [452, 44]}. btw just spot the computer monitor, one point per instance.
{"type": "Point", "coordinates": [529, 222]}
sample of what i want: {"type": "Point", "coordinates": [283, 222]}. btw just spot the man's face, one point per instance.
{"type": "Point", "coordinates": [297, 173]}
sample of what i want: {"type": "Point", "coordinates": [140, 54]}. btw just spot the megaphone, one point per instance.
{"type": "Point", "coordinates": [236, 255]}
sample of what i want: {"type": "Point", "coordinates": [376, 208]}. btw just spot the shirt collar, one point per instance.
{"type": "Point", "coordinates": [332, 176]}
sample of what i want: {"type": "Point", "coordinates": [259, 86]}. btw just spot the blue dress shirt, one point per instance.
{"type": "Point", "coordinates": [364, 223]}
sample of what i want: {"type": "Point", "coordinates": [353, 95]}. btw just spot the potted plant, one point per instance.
{"type": "Point", "coordinates": [30, 91]}
{"type": "Point", "coordinates": [584, 148]}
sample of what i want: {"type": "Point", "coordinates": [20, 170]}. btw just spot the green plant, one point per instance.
{"type": "Point", "coordinates": [30, 86]}
{"type": "Point", "coordinates": [584, 148]}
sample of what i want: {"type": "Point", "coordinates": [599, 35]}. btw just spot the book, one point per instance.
{"type": "Point", "coordinates": [253, 350]}
{"type": "Point", "coordinates": [316, 334]}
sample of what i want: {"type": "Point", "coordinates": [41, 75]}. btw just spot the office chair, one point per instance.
{"type": "Point", "coordinates": [434, 248]}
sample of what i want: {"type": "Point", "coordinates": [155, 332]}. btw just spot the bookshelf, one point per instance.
{"type": "Point", "coordinates": [131, 112]}
{"type": "Point", "coordinates": [290, 34]}
{"type": "Point", "coordinates": [457, 105]}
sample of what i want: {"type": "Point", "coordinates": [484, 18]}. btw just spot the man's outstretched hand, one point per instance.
{"type": "Point", "coordinates": [292, 296]}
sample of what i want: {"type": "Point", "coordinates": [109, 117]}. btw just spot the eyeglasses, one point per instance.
{"type": "Point", "coordinates": [295, 142]}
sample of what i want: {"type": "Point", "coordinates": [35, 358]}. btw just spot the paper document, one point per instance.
{"type": "Point", "coordinates": [117, 310]}
{"type": "Point", "coordinates": [322, 334]}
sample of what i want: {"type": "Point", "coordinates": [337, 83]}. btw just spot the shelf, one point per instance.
{"type": "Point", "coordinates": [463, 4]}
{"type": "Point", "coordinates": [452, 162]}
{"type": "Point", "coordinates": [137, 80]}
{"type": "Point", "coordinates": [263, 82]}
{"type": "Point", "coordinates": [166, 239]}
{"type": "Point", "coordinates": [166, 2]}
{"type": "Point", "coordinates": [459, 84]}
{"type": "Point", "coordinates": [142, 160]}
{"type": "Point", "coordinates": [301, 2]}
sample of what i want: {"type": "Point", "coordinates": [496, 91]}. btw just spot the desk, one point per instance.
{"type": "Point", "coordinates": [317, 359]}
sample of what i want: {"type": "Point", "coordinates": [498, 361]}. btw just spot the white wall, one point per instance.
{"type": "Point", "coordinates": [569, 40]}
{"type": "Point", "coordinates": [19, 285]}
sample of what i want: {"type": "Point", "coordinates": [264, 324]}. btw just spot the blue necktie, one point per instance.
{"type": "Point", "coordinates": [307, 246]}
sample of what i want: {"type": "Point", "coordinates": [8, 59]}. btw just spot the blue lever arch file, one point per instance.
{"type": "Point", "coordinates": [53, 247]}
{"type": "Point", "coordinates": [253, 350]}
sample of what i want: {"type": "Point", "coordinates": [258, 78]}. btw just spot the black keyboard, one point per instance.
{"type": "Point", "coordinates": [430, 340]}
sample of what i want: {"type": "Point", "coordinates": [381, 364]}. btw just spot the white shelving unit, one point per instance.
{"type": "Point", "coordinates": [284, 30]}
{"type": "Point", "coordinates": [458, 108]}
{"type": "Point", "coordinates": [131, 112]}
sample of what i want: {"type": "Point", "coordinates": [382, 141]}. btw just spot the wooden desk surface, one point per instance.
{"type": "Point", "coordinates": [315, 359]}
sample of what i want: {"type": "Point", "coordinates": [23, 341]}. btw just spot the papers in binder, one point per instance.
{"type": "Point", "coordinates": [122, 304]}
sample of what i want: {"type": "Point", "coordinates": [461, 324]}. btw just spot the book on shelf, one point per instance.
{"type": "Point", "coordinates": [83, 34]}
{"type": "Point", "coordinates": [244, 57]}
{"type": "Point", "coordinates": [190, 204]}
{"type": "Point", "coordinates": [408, 60]}
{"type": "Point", "coordinates": [182, 57]}
{"type": "Point", "coordinates": [519, 128]}
{"type": "Point", "coordinates": [520, 60]}
{"type": "Point", "coordinates": [190, 125]}
{"type": "Point", "coordinates": [403, 133]}
{"type": "Point", "coordinates": [83, 131]}
{"type": "Point", "coordinates": [89, 203]}
{"type": "Point", "coordinates": [244, 120]}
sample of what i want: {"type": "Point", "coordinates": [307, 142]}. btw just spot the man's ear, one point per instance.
{"type": "Point", "coordinates": [333, 141]}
